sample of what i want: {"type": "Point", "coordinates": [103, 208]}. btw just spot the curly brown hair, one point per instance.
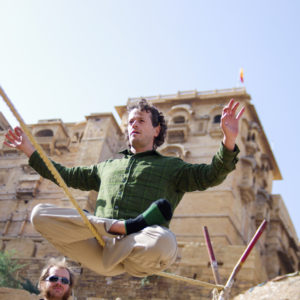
{"type": "Point", "coordinates": [157, 119]}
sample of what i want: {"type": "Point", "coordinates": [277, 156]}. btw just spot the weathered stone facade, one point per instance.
{"type": "Point", "coordinates": [232, 211]}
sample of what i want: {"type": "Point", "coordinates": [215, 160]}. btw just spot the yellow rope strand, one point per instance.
{"type": "Point", "coordinates": [63, 185]}
{"type": "Point", "coordinates": [50, 166]}
{"type": "Point", "coordinates": [190, 280]}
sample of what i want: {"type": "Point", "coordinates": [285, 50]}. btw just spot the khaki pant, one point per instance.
{"type": "Point", "coordinates": [146, 252]}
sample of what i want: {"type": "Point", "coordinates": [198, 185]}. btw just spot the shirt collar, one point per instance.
{"type": "Point", "coordinates": [127, 152]}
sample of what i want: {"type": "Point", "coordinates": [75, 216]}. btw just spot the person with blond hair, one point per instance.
{"type": "Point", "coordinates": [56, 280]}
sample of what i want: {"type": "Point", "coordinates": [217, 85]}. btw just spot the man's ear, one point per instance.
{"type": "Point", "coordinates": [157, 130]}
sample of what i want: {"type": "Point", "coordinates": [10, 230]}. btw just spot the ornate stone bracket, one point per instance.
{"type": "Point", "coordinates": [174, 150]}
{"type": "Point", "coordinates": [246, 185]}
{"type": "Point", "coordinates": [28, 186]}
{"type": "Point", "coordinates": [263, 205]}
{"type": "Point", "coordinates": [177, 133]}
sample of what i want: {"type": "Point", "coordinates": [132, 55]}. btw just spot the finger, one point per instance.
{"type": "Point", "coordinates": [9, 144]}
{"type": "Point", "coordinates": [13, 135]}
{"type": "Point", "coordinates": [235, 106]}
{"type": "Point", "coordinates": [240, 113]}
{"type": "Point", "coordinates": [228, 106]}
{"type": "Point", "coordinates": [9, 139]}
{"type": "Point", "coordinates": [226, 110]}
{"type": "Point", "coordinates": [8, 134]}
{"type": "Point", "coordinates": [18, 131]}
{"type": "Point", "coordinates": [230, 103]}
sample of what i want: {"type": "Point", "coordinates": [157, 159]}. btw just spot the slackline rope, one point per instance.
{"type": "Point", "coordinates": [219, 287]}
{"type": "Point", "coordinates": [63, 185]}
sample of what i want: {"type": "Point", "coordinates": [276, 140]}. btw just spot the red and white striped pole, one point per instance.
{"type": "Point", "coordinates": [213, 261]}
{"type": "Point", "coordinates": [225, 293]}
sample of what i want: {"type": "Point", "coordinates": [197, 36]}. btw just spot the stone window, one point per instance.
{"type": "Point", "coordinates": [179, 120]}
{"type": "Point", "coordinates": [251, 137]}
{"type": "Point", "coordinates": [215, 130]}
{"type": "Point", "coordinates": [44, 133]}
{"type": "Point", "coordinates": [28, 186]}
{"type": "Point", "coordinates": [176, 136]}
{"type": "Point", "coordinates": [178, 125]}
{"type": "Point", "coordinates": [215, 113]}
{"type": "Point", "coordinates": [77, 137]}
{"type": "Point", "coordinates": [217, 119]}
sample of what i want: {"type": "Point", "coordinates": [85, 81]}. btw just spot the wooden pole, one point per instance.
{"type": "Point", "coordinates": [213, 261]}
{"type": "Point", "coordinates": [225, 293]}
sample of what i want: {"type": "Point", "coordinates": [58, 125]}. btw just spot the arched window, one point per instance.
{"type": "Point", "coordinates": [179, 120]}
{"type": "Point", "coordinates": [217, 119]}
{"type": "Point", "coordinates": [44, 133]}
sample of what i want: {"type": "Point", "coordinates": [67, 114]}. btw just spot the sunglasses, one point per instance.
{"type": "Point", "coordinates": [55, 278]}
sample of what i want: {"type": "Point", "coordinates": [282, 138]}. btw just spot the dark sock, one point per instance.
{"type": "Point", "coordinates": [157, 213]}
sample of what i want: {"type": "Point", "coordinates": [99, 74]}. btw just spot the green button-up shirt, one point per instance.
{"type": "Point", "coordinates": [126, 187]}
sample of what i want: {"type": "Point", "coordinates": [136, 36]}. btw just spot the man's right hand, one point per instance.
{"type": "Point", "coordinates": [17, 139]}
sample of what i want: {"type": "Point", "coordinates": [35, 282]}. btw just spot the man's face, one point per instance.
{"type": "Point", "coordinates": [141, 132]}
{"type": "Point", "coordinates": [57, 290]}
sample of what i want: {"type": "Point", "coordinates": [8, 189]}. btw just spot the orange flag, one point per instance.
{"type": "Point", "coordinates": [242, 75]}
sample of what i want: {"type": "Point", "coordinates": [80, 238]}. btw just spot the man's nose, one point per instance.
{"type": "Point", "coordinates": [134, 124]}
{"type": "Point", "coordinates": [58, 283]}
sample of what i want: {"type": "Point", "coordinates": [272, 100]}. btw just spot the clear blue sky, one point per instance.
{"type": "Point", "coordinates": [67, 59]}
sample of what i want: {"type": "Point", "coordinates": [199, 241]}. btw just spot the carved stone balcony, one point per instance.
{"type": "Point", "coordinates": [28, 186]}
{"type": "Point", "coordinates": [52, 136]}
{"type": "Point", "coordinates": [177, 133]}
{"type": "Point", "coordinates": [176, 150]}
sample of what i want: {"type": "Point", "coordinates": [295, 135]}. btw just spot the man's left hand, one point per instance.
{"type": "Point", "coordinates": [230, 123]}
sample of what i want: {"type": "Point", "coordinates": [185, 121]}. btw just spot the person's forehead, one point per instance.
{"type": "Point", "coordinates": [62, 272]}
{"type": "Point", "coordinates": [136, 113]}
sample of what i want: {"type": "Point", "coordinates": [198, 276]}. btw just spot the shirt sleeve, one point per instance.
{"type": "Point", "coordinates": [83, 178]}
{"type": "Point", "coordinates": [192, 177]}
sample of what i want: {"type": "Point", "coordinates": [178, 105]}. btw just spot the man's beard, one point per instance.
{"type": "Point", "coordinates": [65, 296]}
